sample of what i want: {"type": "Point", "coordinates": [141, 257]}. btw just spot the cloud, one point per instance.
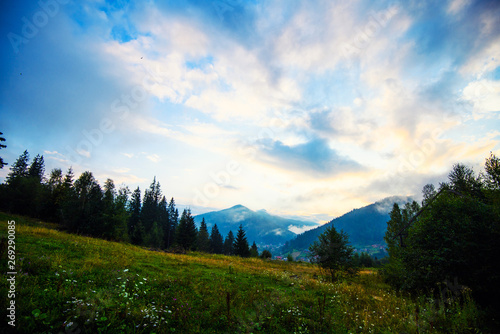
{"type": "Point", "coordinates": [314, 156]}
{"type": "Point", "coordinates": [154, 158]}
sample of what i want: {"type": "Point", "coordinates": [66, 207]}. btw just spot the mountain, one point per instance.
{"type": "Point", "coordinates": [259, 226]}
{"type": "Point", "coordinates": [365, 226]}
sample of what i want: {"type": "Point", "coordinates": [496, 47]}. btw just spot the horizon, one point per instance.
{"type": "Point", "coordinates": [303, 109]}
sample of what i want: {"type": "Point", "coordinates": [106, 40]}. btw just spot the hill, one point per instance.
{"type": "Point", "coordinates": [365, 226]}
{"type": "Point", "coordinates": [260, 226]}
{"type": "Point", "coordinates": [75, 284]}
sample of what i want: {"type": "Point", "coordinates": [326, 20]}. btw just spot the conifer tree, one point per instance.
{"type": "Point", "coordinates": [241, 243]}
{"type": "Point", "coordinates": [37, 168]}
{"type": "Point", "coordinates": [150, 205]}
{"type": "Point", "coordinates": [203, 238]}
{"type": "Point", "coordinates": [164, 222]}
{"type": "Point", "coordinates": [135, 228]}
{"type": "Point", "coordinates": [89, 206]}
{"type": "Point", "coordinates": [19, 169]}
{"type": "Point", "coordinates": [332, 252]}
{"type": "Point", "coordinates": [216, 242]}
{"type": "Point", "coordinates": [254, 252]}
{"type": "Point", "coordinates": [186, 231]}
{"type": "Point", "coordinates": [229, 244]}
{"type": "Point", "coordinates": [173, 216]}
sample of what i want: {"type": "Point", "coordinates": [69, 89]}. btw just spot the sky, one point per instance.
{"type": "Point", "coordinates": [302, 108]}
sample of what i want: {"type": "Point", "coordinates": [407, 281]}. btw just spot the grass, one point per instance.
{"type": "Point", "coordinates": [74, 284]}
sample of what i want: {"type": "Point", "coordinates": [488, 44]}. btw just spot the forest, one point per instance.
{"type": "Point", "coordinates": [80, 205]}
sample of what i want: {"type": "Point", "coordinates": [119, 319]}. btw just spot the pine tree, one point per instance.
{"type": "Point", "coordinates": [19, 169]}
{"type": "Point", "coordinates": [155, 236]}
{"type": "Point", "coordinates": [254, 252]}
{"type": "Point", "coordinates": [164, 222]}
{"type": "Point", "coordinates": [186, 231]}
{"type": "Point", "coordinates": [89, 205]}
{"type": "Point", "coordinates": [229, 244]}
{"type": "Point", "coordinates": [173, 216]}
{"type": "Point", "coordinates": [216, 242]}
{"type": "Point", "coordinates": [203, 238]}
{"type": "Point", "coordinates": [37, 168]}
{"type": "Point", "coordinates": [241, 243]}
{"type": "Point", "coordinates": [135, 228]}
{"type": "Point", "coordinates": [332, 252]}
{"type": "Point", "coordinates": [150, 205]}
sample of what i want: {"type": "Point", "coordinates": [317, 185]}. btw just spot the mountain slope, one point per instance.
{"type": "Point", "coordinates": [365, 226]}
{"type": "Point", "coordinates": [259, 226]}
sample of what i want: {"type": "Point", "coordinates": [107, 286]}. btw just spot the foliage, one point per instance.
{"type": "Point", "coordinates": [454, 237]}
{"type": "Point", "coordinates": [266, 254]}
{"type": "Point", "coordinates": [332, 253]}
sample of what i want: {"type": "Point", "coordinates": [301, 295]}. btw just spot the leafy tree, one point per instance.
{"type": "Point", "coordinates": [492, 176]}
{"type": "Point", "coordinates": [332, 252]}
{"type": "Point", "coordinates": [429, 191]}
{"type": "Point", "coordinates": [266, 254]}
{"type": "Point", "coordinates": [463, 180]}
{"type": "Point", "coordinates": [254, 252]}
{"type": "Point", "coordinates": [229, 244]}
{"type": "Point", "coordinates": [216, 242]}
{"type": "Point", "coordinates": [395, 238]}
{"type": "Point", "coordinates": [454, 237]}
{"type": "Point", "coordinates": [241, 243]}
{"type": "Point", "coordinates": [2, 139]}
{"type": "Point", "coordinates": [203, 238]}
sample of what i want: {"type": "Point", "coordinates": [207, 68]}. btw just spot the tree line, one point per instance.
{"type": "Point", "coordinates": [452, 238]}
{"type": "Point", "coordinates": [80, 205]}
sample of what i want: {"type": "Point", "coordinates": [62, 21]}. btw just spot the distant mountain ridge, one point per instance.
{"type": "Point", "coordinates": [365, 226]}
{"type": "Point", "coordinates": [260, 226]}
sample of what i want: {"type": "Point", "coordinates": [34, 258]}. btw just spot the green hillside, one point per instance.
{"type": "Point", "coordinates": [74, 284]}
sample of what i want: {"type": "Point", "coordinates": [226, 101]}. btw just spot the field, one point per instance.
{"type": "Point", "coordinates": [74, 284]}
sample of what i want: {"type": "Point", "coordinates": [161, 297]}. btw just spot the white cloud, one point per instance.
{"type": "Point", "coordinates": [154, 157]}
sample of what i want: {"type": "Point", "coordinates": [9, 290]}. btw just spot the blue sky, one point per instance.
{"type": "Point", "coordinates": [303, 108]}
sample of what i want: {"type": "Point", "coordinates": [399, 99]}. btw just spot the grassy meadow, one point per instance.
{"type": "Point", "coordinates": [74, 284]}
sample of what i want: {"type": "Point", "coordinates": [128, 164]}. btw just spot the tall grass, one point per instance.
{"type": "Point", "coordinates": [68, 283]}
